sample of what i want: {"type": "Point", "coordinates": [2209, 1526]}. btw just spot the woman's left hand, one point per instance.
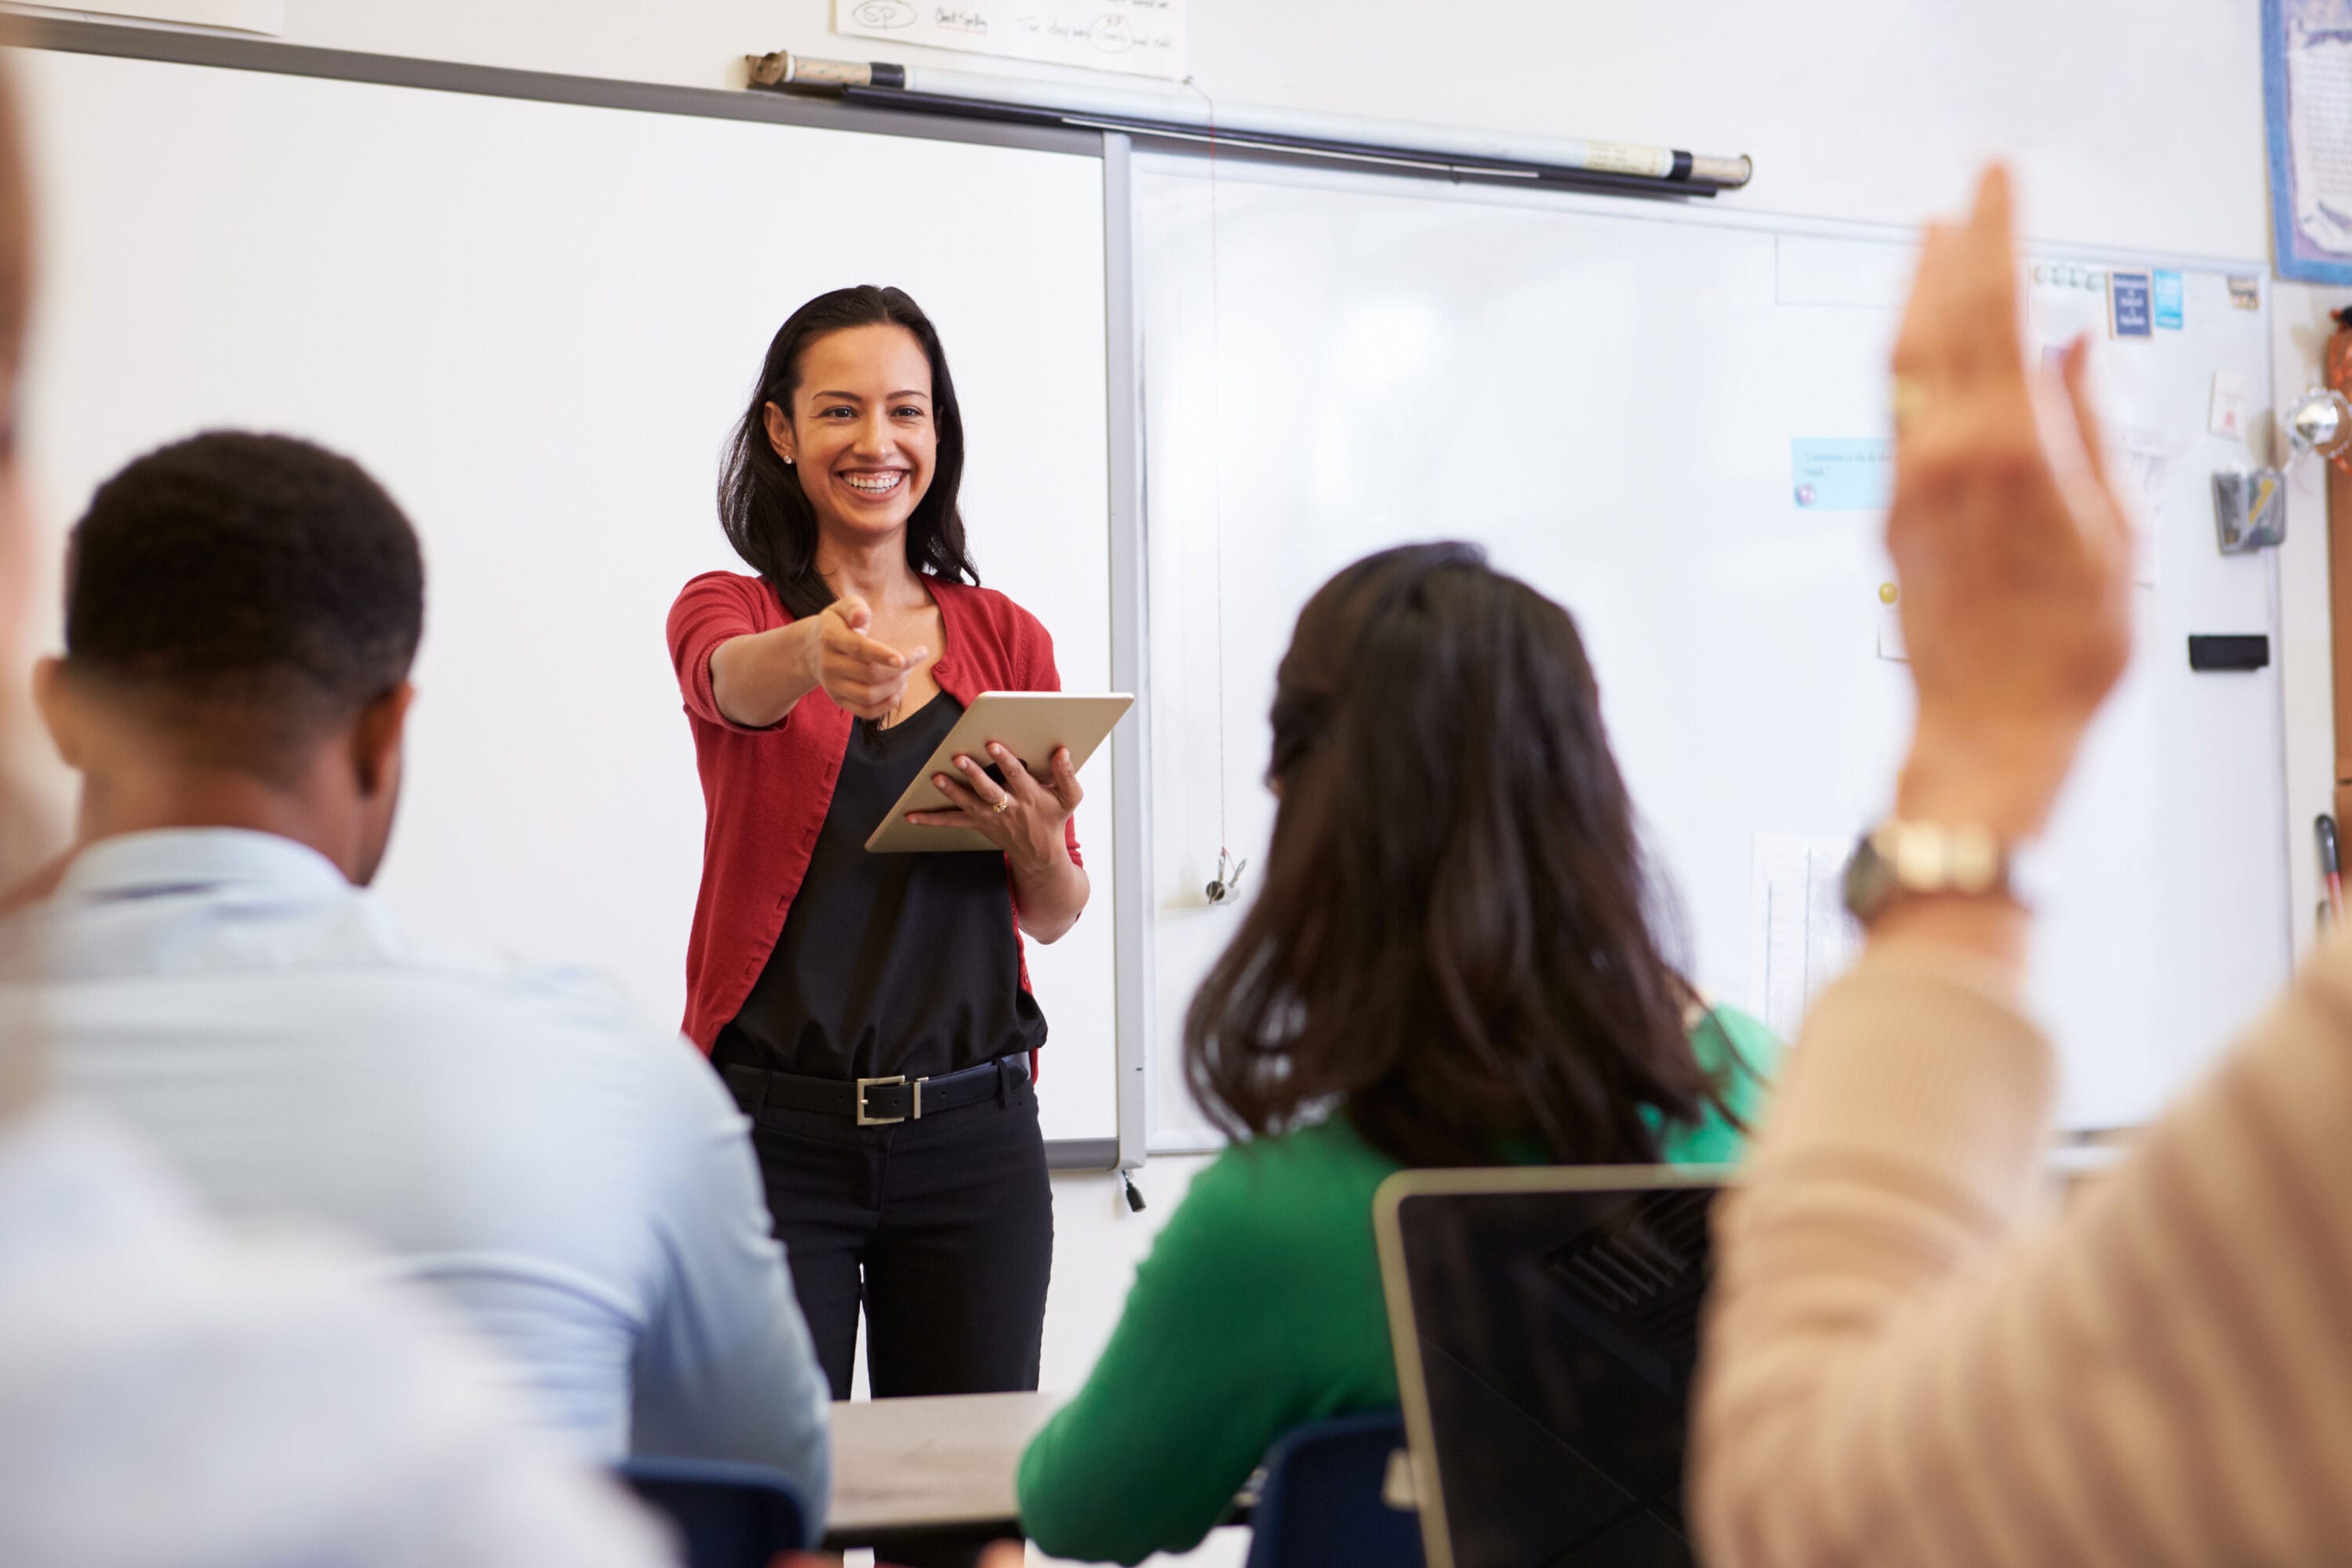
{"type": "Point", "coordinates": [1024, 816]}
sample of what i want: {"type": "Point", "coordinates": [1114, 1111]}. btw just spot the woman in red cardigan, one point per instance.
{"type": "Point", "coordinates": [872, 1013]}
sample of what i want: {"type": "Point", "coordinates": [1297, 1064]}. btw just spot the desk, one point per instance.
{"type": "Point", "coordinates": [906, 1468]}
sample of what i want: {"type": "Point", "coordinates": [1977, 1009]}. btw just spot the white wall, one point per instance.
{"type": "Point", "coordinates": [2133, 122]}
{"type": "Point", "coordinates": [2139, 121]}
{"type": "Point", "coordinates": [2300, 329]}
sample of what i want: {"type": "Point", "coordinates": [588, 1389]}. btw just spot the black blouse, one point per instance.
{"type": "Point", "coordinates": [888, 964]}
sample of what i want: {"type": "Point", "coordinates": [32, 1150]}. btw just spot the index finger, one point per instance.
{"type": "Point", "coordinates": [1960, 324]}
{"type": "Point", "coordinates": [1018, 779]}
{"type": "Point", "coordinates": [1986, 289]}
{"type": "Point", "coordinates": [881, 654]}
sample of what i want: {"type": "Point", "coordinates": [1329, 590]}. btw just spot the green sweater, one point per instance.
{"type": "Point", "coordinates": [1260, 1310]}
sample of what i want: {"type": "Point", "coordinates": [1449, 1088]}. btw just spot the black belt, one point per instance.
{"type": "Point", "coordinates": [874, 1101]}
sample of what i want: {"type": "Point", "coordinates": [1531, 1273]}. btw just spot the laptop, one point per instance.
{"type": "Point", "coordinates": [1546, 1325]}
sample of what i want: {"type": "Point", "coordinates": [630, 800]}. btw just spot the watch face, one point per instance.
{"type": "Point", "coordinates": [1906, 857]}
{"type": "Point", "coordinates": [1869, 880]}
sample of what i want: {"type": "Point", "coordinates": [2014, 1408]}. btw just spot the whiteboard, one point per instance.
{"type": "Point", "coordinates": [1606, 396]}
{"type": "Point", "coordinates": [534, 321]}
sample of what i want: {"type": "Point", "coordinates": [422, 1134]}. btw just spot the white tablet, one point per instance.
{"type": "Point", "coordinates": [1031, 725]}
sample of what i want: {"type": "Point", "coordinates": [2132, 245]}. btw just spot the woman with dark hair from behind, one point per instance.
{"type": "Point", "coordinates": [1450, 961]}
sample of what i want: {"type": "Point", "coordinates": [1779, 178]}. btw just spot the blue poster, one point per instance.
{"type": "Point", "coordinates": [2168, 297]}
{"type": "Point", "coordinates": [2128, 310]}
{"type": "Point", "coordinates": [1840, 473]}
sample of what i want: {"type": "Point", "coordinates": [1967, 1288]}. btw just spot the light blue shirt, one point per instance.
{"type": "Point", "coordinates": [578, 1184]}
{"type": "Point", "coordinates": [173, 1397]}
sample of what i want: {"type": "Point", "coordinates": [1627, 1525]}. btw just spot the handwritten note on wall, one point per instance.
{"type": "Point", "coordinates": [1142, 38]}
{"type": "Point", "coordinates": [1801, 938]}
{"type": "Point", "coordinates": [2319, 87]}
{"type": "Point", "coordinates": [2307, 100]}
{"type": "Point", "coordinates": [1841, 473]}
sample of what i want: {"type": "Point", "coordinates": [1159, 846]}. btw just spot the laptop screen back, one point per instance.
{"type": "Point", "coordinates": [1557, 1333]}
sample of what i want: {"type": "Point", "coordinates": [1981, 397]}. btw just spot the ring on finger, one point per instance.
{"type": "Point", "coordinates": [1001, 802]}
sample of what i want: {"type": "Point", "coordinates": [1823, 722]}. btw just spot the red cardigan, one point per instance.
{"type": "Point", "coordinates": [765, 791]}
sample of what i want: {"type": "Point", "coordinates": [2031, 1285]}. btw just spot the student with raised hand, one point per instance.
{"type": "Point", "coordinates": [1450, 961]}
{"type": "Point", "coordinates": [241, 612]}
{"type": "Point", "coordinates": [1899, 1369]}
{"type": "Point", "coordinates": [171, 1397]}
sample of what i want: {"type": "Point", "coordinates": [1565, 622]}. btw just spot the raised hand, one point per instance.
{"type": "Point", "coordinates": [2013, 556]}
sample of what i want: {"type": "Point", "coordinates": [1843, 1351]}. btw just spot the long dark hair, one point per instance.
{"type": "Point", "coordinates": [1453, 939]}
{"type": "Point", "coordinates": [767, 517]}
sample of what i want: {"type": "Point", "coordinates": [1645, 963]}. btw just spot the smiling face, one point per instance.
{"type": "Point", "coordinates": [859, 432]}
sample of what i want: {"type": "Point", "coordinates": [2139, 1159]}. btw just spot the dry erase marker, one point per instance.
{"type": "Point", "coordinates": [2331, 867]}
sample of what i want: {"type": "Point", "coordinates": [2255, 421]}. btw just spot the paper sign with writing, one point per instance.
{"type": "Point", "coordinates": [2307, 115]}
{"type": "Point", "coordinates": [2128, 306]}
{"type": "Point", "coordinates": [2227, 414]}
{"type": "Point", "coordinates": [1141, 37]}
{"type": "Point", "coordinates": [1841, 473]}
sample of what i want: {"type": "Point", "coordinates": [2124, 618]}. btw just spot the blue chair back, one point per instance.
{"type": "Point", "coordinates": [730, 1515]}
{"type": "Point", "coordinates": [1322, 1505]}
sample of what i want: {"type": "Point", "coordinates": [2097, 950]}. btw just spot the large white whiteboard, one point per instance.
{"type": "Point", "coordinates": [534, 321]}
{"type": "Point", "coordinates": [1606, 395]}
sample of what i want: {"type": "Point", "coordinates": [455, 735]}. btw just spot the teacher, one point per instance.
{"type": "Point", "coordinates": [872, 1013]}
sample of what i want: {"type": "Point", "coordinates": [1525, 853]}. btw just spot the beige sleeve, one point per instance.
{"type": "Point", "coordinates": [1900, 1371]}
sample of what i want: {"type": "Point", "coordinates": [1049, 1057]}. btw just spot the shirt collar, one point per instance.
{"type": "Point", "coordinates": [189, 858]}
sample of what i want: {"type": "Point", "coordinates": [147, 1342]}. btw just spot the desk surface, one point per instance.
{"type": "Point", "coordinates": [927, 1464]}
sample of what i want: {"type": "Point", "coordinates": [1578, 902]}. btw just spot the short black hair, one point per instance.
{"type": "Point", "coordinates": [258, 573]}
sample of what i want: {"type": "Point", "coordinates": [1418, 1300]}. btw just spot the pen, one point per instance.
{"type": "Point", "coordinates": [2331, 867]}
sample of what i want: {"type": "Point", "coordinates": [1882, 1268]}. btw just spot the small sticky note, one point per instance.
{"type": "Point", "coordinates": [1838, 473]}
{"type": "Point", "coordinates": [2169, 297]}
{"type": "Point", "coordinates": [2129, 308]}
{"type": "Point", "coordinates": [2227, 415]}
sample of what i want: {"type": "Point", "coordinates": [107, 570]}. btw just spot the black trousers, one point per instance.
{"type": "Point", "coordinates": [941, 1229]}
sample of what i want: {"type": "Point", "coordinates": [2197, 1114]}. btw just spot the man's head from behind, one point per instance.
{"type": "Point", "coordinates": [241, 614]}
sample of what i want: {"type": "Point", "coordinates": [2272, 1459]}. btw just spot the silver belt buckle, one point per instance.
{"type": "Point", "coordinates": [865, 1083]}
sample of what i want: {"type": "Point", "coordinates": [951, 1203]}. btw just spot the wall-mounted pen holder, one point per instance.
{"type": "Point", "coordinates": [2250, 509]}
{"type": "Point", "coordinates": [2249, 504]}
